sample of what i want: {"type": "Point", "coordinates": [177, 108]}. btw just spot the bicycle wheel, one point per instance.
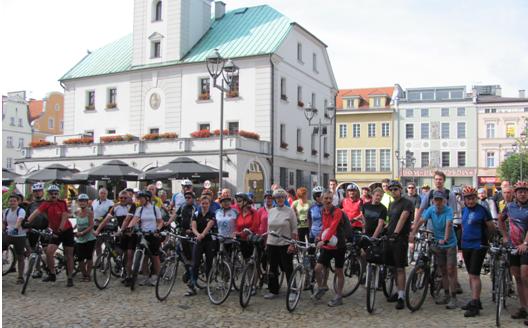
{"type": "Point", "coordinates": [295, 287]}
{"type": "Point", "coordinates": [219, 282]}
{"type": "Point", "coordinates": [499, 300]}
{"type": "Point", "coordinates": [236, 268]}
{"type": "Point", "coordinates": [8, 260]}
{"type": "Point", "coordinates": [436, 283]}
{"type": "Point", "coordinates": [31, 265]}
{"type": "Point", "coordinates": [166, 278]}
{"type": "Point", "coordinates": [116, 265]}
{"type": "Point", "coordinates": [136, 266]}
{"type": "Point", "coordinates": [372, 273]}
{"type": "Point", "coordinates": [353, 271]}
{"type": "Point", "coordinates": [247, 283]}
{"type": "Point", "coordinates": [416, 287]}
{"type": "Point", "coordinates": [388, 281]}
{"type": "Point", "coordinates": [102, 271]}
{"type": "Point", "coordinates": [201, 282]}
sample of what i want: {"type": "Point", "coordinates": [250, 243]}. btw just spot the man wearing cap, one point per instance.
{"type": "Point", "coordinates": [441, 217]}
{"type": "Point", "coordinates": [178, 199]}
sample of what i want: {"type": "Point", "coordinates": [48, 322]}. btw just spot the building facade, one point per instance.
{"type": "Point", "coordinates": [364, 135]}
{"type": "Point", "coordinates": [47, 116]}
{"type": "Point", "coordinates": [437, 130]}
{"type": "Point", "coordinates": [155, 81]}
{"type": "Point", "coordinates": [16, 129]}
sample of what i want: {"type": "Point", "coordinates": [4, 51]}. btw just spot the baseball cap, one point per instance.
{"type": "Point", "coordinates": [437, 194]}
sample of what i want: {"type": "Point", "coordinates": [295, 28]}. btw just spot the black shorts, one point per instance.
{"type": "Point", "coordinates": [396, 252]}
{"type": "Point", "coordinates": [85, 250]}
{"type": "Point", "coordinates": [19, 243]}
{"type": "Point", "coordinates": [327, 255]}
{"type": "Point", "coordinates": [474, 259]}
{"type": "Point", "coordinates": [518, 260]}
{"type": "Point", "coordinates": [65, 238]}
{"type": "Point", "coordinates": [154, 244]}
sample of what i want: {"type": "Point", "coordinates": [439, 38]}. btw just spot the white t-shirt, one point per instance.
{"type": "Point", "coordinates": [283, 221]}
{"type": "Point", "coordinates": [148, 215]}
{"type": "Point", "coordinates": [11, 220]}
{"type": "Point", "coordinates": [101, 208]}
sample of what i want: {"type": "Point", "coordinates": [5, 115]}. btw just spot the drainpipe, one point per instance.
{"type": "Point", "coordinates": [272, 121]}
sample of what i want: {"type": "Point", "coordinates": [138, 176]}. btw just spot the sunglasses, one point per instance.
{"type": "Point", "coordinates": [411, 188]}
{"type": "Point", "coordinates": [394, 189]}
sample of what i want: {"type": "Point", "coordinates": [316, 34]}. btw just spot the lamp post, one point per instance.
{"type": "Point", "coordinates": [226, 70]}
{"type": "Point", "coordinates": [405, 161]}
{"type": "Point", "coordinates": [329, 114]}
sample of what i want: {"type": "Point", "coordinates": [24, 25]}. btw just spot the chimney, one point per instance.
{"type": "Point", "coordinates": [220, 7]}
{"type": "Point", "coordinates": [522, 94]}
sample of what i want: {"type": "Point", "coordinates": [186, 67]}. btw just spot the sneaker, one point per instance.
{"type": "Point", "coordinates": [270, 296]}
{"type": "Point", "coordinates": [37, 275]}
{"type": "Point", "coordinates": [393, 298]}
{"type": "Point", "coordinates": [442, 300]}
{"type": "Point", "coordinates": [190, 292]}
{"type": "Point", "coordinates": [520, 314]}
{"type": "Point", "coordinates": [452, 303]}
{"type": "Point", "coordinates": [50, 278]}
{"type": "Point", "coordinates": [152, 281]}
{"type": "Point", "coordinates": [69, 283]}
{"type": "Point", "coordinates": [142, 281]}
{"type": "Point", "coordinates": [20, 280]}
{"type": "Point", "coordinates": [465, 307]}
{"type": "Point", "coordinates": [400, 304]}
{"type": "Point", "coordinates": [472, 309]}
{"type": "Point", "coordinates": [318, 294]}
{"type": "Point", "coordinates": [336, 301]}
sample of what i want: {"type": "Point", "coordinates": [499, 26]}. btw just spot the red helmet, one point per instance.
{"type": "Point", "coordinates": [520, 185]}
{"type": "Point", "coordinates": [469, 191]}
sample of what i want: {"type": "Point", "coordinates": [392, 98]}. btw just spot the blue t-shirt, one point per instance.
{"type": "Point", "coordinates": [315, 215]}
{"type": "Point", "coordinates": [439, 222]}
{"type": "Point", "coordinates": [226, 221]}
{"type": "Point", "coordinates": [474, 226]}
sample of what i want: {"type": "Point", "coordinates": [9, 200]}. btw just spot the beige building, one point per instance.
{"type": "Point", "coordinates": [47, 116]}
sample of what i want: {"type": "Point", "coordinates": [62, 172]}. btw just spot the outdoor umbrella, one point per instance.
{"type": "Point", "coordinates": [57, 173]}
{"type": "Point", "coordinates": [181, 168]}
{"type": "Point", "coordinates": [8, 176]}
{"type": "Point", "coordinates": [112, 170]}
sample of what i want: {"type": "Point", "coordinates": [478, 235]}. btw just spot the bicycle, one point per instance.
{"type": "Point", "coordinates": [109, 263]}
{"type": "Point", "coordinates": [375, 270]}
{"type": "Point", "coordinates": [353, 268]}
{"type": "Point", "coordinates": [36, 256]}
{"type": "Point", "coordinates": [252, 272]}
{"type": "Point", "coordinates": [8, 260]}
{"type": "Point", "coordinates": [502, 283]}
{"type": "Point", "coordinates": [142, 251]}
{"type": "Point", "coordinates": [220, 278]}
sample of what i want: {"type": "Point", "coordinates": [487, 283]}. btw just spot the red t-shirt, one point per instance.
{"type": "Point", "coordinates": [352, 209]}
{"type": "Point", "coordinates": [262, 216]}
{"type": "Point", "coordinates": [249, 221]}
{"type": "Point", "coordinates": [54, 212]}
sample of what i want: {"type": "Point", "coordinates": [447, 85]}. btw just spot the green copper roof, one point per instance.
{"type": "Point", "coordinates": [240, 33]}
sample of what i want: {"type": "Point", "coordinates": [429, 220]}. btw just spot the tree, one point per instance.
{"type": "Point", "coordinates": [510, 169]}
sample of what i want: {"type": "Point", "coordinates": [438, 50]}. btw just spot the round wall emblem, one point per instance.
{"type": "Point", "coordinates": [155, 101]}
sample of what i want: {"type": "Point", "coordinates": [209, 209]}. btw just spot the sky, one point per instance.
{"type": "Point", "coordinates": [371, 43]}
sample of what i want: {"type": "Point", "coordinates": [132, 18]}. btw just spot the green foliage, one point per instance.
{"type": "Point", "coordinates": [510, 169]}
{"type": "Point", "coordinates": [5, 196]}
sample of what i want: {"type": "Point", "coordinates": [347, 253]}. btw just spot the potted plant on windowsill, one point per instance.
{"type": "Point", "coordinates": [78, 141]}
{"type": "Point", "coordinates": [232, 94]}
{"type": "Point", "coordinates": [300, 149]}
{"type": "Point", "coordinates": [40, 143]}
{"type": "Point", "coordinates": [300, 103]}
{"type": "Point", "coordinates": [89, 107]}
{"type": "Point", "coordinates": [116, 138]}
{"type": "Point", "coordinates": [111, 105]}
{"type": "Point", "coordinates": [284, 145]}
{"type": "Point", "coordinates": [201, 134]}
{"type": "Point", "coordinates": [314, 152]}
{"type": "Point", "coordinates": [225, 133]}
{"type": "Point", "coordinates": [204, 96]}
{"type": "Point", "coordinates": [250, 135]}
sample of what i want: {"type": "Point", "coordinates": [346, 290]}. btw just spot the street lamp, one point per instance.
{"type": "Point", "coordinates": [226, 70]}
{"type": "Point", "coordinates": [329, 114]}
{"type": "Point", "coordinates": [405, 161]}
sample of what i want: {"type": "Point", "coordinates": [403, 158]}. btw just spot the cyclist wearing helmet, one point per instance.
{"type": "Point", "coordinates": [246, 219]}
{"type": "Point", "coordinates": [400, 213]}
{"type": "Point", "coordinates": [226, 218]}
{"type": "Point", "coordinates": [333, 246]}
{"type": "Point", "coordinates": [84, 237]}
{"type": "Point", "coordinates": [315, 217]}
{"type": "Point", "coordinates": [301, 207]}
{"type": "Point", "coordinates": [516, 213]}
{"type": "Point", "coordinates": [16, 235]}
{"type": "Point", "coordinates": [57, 213]}
{"type": "Point", "coordinates": [123, 210]}
{"type": "Point", "coordinates": [281, 220]}
{"type": "Point", "coordinates": [178, 199]}
{"type": "Point", "coordinates": [351, 206]}
{"type": "Point", "coordinates": [475, 221]}
{"type": "Point", "coordinates": [40, 222]}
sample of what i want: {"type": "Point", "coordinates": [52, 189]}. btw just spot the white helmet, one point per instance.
{"type": "Point", "coordinates": [317, 190]}
{"type": "Point", "coordinates": [83, 197]}
{"type": "Point", "coordinates": [207, 184]}
{"type": "Point", "coordinates": [37, 186]}
{"type": "Point", "coordinates": [332, 241]}
{"type": "Point", "coordinates": [53, 188]}
{"type": "Point", "coordinates": [280, 193]}
{"type": "Point", "coordinates": [186, 182]}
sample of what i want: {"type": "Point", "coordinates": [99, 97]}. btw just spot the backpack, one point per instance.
{"type": "Point", "coordinates": [153, 208]}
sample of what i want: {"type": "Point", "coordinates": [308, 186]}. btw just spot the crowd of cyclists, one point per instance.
{"type": "Point", "coordinates": [462, 220]}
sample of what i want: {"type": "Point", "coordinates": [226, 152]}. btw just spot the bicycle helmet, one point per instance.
{"type": "Point", "coordinates": [332, 241]}
{"type": "Point", "coordinates": [243, 196]}
{"type": "Point", "coordinates": [53, 188]}
{"type": "Point", "coordinates": [469, 191]}
{"type": "Point", "coordinates": [395, 184]}
{"type": "Point", "coordinates": [317, 190]}
{"type": "Point", "coordinates": [268, 193]}
{"type": "Point", "coordinates": [186, 183]}
{"type": "Point", "coordinates": [37, 186]}
{"type": "Point", "coordinates": [83, 197]}
{"type": "Point", "coordinates": [352, 187]}
{"type": "Point", "coordinates": [145, 193]}
{"type": "Point", "coordinates": [520, 185]}
{"type": "Point", "coordinates": [280, 193]}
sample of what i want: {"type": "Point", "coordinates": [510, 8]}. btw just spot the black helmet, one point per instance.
{"type": "Point", "coordinates": [243, 196]}
{"type": "Point", "coordinates": [145, 193]}
{"type": "Point", "coordinates": [395, 183]}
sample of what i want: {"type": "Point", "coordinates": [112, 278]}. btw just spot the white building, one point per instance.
{"type": "Point", "coordinates": [16, 130]}
{"type": "Point", "coordinates": [155, 81]}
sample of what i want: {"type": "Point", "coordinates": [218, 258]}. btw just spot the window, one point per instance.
{"type": "Point", "coordinates": [510, 130]}
{"type": "Point", "coordinates": [283, 88]}
{"type": "Point", "coordinates": [461, 158]}
{"type": "Point", "coordinates": [326, 179]}
{"type": "Point", "coordinates": [371, 130]}
{"type": "Point", "coordinates": [9, 142]}
{"type": "Point", "coordinates": [20, 142]}
{"type": "Point", "coordinates": [9, 162]}
{"type": "Point", "coordinates": [299, 181]}
{"type": "Point", "coordinates": [461, 111]}
{"type": "Point", "coordinates": [409, 113]}
{"type": "Point", "coordinates": [234, 87]}
{"type": "Point", "coordinates": [409, 131]}
{"type": "Point", "coordinates": [445, 130]}
{"type": "Point", "coordinates": [385, 160]}
{"type": "Point", "coordinates": [154, 130]}
{"type": "Point", "coordinates": [312, 143]}
{"type": "Point", "coordinates": [90, 100]}
{"type": "Point", "coordinates": [385, 129]}
{"type": "Point", "coordinates": [314, 62]}
{"type": "Point", "coordinates": [424, 130]}
{"type": "Point", "coordinates": [490, 159]}
{"type": "Point", "coordinates": [490, 130]}
{"type": "Point", "coordinates": [204, 126]}
{"type": "Point", "coordinates": [445, 159]}
{"type": "Point", "coordinates": [20, 124]}
{"type": "Point", "coordinates": [424, 112]}
{"type": "Point", "coordinates": [113, 131]}
{"type": "Point", "coordinates": [490, 110]}
{"type": "Point", "coordinates": [283, 177]}
{"type": "Point", "coordinates": [409, 159]}
{"type": "Point", "coordinates": [427, 95]}
{"type": "Point", "coordinates": [425, 159]}
{"type": "Point", "coordinates": [370, 160]}
{"type": "Point", "coordinates": [313, 101]}
{"type": "Point", "coordinates": [342, 130]}
{"type": "Point", "coordinates": [299, 140]}
{"type": "Point", "coordinates": [157, 11]}
{"type": "Point", "coordinates": [204, 89]}
{"type": "Point", "coordinates": [155, 51]}
{"type": "Point", "coordinates": [232, 127]}
{"type": "Point", "coordinates": [299, 94]}
{"type": "Point", "coordinates": [461, 130]}
{"type": "Point", "coordinates": [445, 112]}
{"type": "Point", "coordinates": [356, 130]}
{"type": "Point", "coordinates": [299, 52]}
{"type": "Point", "coordinates": [356, 160]}
{"type": "Point", "coordinates": [62, 125]}
{"type": "Point", "coordinates": [350, 103]}
{"type": "Point", "coordinates": [291, 176]}
{"type": "Point", "coordinates": [112, 96]}
{"type": "Point", "coordinates": [57, 107]}
{"type": "Point", "coordinates": [325, 145]}
{"type": "Point", "coordinates": [12, 121]}
{"type": "Point", "coordinates": [342, 164]}
{"type": "Point", "coordinates": [283, 134]}
{"type": "Point", "coordinates": [50, 123]}
{"type": "Point", "coordinates": [377, 102]}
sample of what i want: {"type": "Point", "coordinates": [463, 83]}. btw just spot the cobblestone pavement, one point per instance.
{"type": "Point", "coordinates": [55, 305]}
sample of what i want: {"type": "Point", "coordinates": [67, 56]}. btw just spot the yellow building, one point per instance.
{"type": "Point", "coordinates": [364, 136]}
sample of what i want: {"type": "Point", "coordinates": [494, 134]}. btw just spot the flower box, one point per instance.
{"type": "Point", "coordinates": [156, 136]}
{"type": "Point", "coordinates": [201, 134]}
{"type": "Point", "coordinates": [111, 105]}
{"type": "Point", "coordinates": [300, 149]}
{"type": "Point", "coordinates": [116, 138]}
{"type": "Point", "coordinates": [314, 152]}
{"type": "Point", "coordinates": [79, 141]}
{"type": "Point", "coordinates": [225, 133]}
{"type": "Point", "coordinates": [232, 94]}
{"type": "Point", "coordinates": [204, 96]}
{"type": "Point", "coordinates": [40, 143]}
{"type": "Point", "coordinates": [89, 107]}
{"type": "Point", "coordinates": [284, 145]}
{"type": "Point", "coordinates": [300, 103]}
{"type": "Point", "coordinates": [250, 135]}
{"type": "Point", "coordinates": [284, 97]}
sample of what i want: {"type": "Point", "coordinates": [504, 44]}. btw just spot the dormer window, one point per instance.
{"type": "Point", "coordinates": [350, 103]}
{"type": "Point", "coordinates": [377, 102]}
{"type": "Point", "coordinates": [156, 10]}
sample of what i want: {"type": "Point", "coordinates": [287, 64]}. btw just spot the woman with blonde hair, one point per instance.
{"type": "Point", "coordinates": [301, 207]}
